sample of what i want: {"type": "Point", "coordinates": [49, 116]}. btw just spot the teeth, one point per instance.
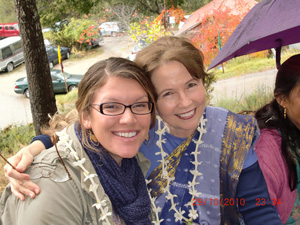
{"type": "Point", "coordinates": [187, 114]}
{"type": "Point", "coordinates": [127, 135]}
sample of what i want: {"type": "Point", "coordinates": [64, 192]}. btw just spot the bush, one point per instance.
{"type": "Point", "coordinates": [65, 103]}
{"type": "Point", "coordinates": [14, 137]}
{"type": "Point", "coordinates": [77, 34]}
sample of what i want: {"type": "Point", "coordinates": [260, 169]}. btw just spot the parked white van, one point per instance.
{"type": "Point", "coordinates": [11, 53]}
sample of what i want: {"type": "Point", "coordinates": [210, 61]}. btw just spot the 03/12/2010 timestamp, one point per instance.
{"type": "Point", "coordinates": [265, 201]}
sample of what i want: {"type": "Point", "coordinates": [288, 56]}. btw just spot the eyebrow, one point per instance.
{"type": "Point", "coordinates": [170, 89]}
{"type": "Point", "coordinates": [113, 99]}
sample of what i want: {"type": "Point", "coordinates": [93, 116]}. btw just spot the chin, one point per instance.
{"type": "Point", "coordinates": [128, 153]}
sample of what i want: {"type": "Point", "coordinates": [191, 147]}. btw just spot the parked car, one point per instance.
{"type": "Point", "coordinates": [136, 48]}
{"type": "Point", "coordinates": [110, 28]}
{"type": "Point", "coordinates": [21, 85]}
{"type": "Point", "coordinates": [96, 41]}
{"type": "Point", "coordinates": [9, 30]}
{"type": "Point", "coordinates": [53, 56]}
{"type": "Point", "coordinates": [11, 53]}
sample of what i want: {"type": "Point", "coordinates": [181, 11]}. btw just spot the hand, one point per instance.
{"type": "Point", "coordinates": [20, 182]}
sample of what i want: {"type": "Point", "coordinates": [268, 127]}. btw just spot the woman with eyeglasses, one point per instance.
{"type": "Point", "coordinates": [95, 178]}
{"type": "Point", "coordinates": [203, 166]}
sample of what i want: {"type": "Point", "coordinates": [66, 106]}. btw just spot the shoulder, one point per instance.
{"type": "Point", "coordinates": [55, 199]}
{"type": "Point", "coordinates": [269, 143]}
{"type": "Point", "coordinates": [218, 113]}
{"type": "Point", "coordinates": [212, 110]}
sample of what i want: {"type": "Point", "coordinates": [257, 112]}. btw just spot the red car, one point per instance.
{"type": "Point", "coordinates": [9, 30]}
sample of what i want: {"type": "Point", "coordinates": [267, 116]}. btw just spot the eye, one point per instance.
{"type": "Point", "coordinates": [192, 84]}
{"type": "Point", "coordinates": [140, 105]}
{"type": "Point", "coordinates": [110, 106]}
{"type": "Point", "coordinates": [167, 94]}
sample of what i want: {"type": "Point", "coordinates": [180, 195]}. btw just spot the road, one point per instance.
{"type": "Point", "coordinates": [239, 87]}
{"type": "Point", "coordinates": [15, 108]}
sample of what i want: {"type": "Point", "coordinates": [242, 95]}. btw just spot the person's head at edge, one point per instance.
{"type": "Point", "coordinates": [283, 112]}
{"type": "Point", "coordinates": [287, 89]}
{"type": "Point", "coordinates": [115, 80]}
{"type": "Point", "coordinates": [175, 67]}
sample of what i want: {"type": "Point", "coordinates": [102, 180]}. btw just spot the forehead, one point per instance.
{"type": "Point", "coordinates": [119, 88]}
{"type": "Point", "coordinates": [171, 72]}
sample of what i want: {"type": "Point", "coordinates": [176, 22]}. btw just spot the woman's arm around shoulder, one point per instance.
{"type": "Point", "coordinates": [58, 203]}
{"type": "Point", "coordinates": [20, 182]}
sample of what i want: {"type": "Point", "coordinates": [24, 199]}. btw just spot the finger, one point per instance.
{"type": "Point", "coordinates": [22, 191]}
{"type": "Point", "coordinates": [27, 188]}
{"type": "Point", "coordinates": [17, 194]}
{"type": "Point", "coordinates": [24, 163]}
{"type": "Point", "coordinates": [14, 160]}
{"type": "Point", "coordinates": [11, 173]}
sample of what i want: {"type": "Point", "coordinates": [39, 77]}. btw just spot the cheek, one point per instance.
{"type": "Point", "coordinates": [101, 126]}
{"type": "Point", "coordinates": [164, 108]}
{"type": "Point", "coordinates": [146, 124]}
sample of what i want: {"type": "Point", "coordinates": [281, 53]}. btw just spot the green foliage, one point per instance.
{"type": "Point", "coordinates": [208, 86]}
{"type": "Point", "coordinates": [14, 137]}
{"type": "Point", "coordinates": [7, 11]}
{"type": "Point", "coordinates": [57, 10]}
{"type": "Point", "coordinates": [192, 5]}
{"type": "Point", "coordinates": [250, 64]}
{"type": "Point", "coordinates": [78, 34]}
{"type": "Point", "coordinates": [146, 30]}
{"type": "Point", "coordinates": [65, 103]}
{"type": "Point", "coordinates": [249, 103]}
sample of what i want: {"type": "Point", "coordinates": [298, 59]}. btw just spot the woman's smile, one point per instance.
{"type": "Point", "coordinates": [187, 115]}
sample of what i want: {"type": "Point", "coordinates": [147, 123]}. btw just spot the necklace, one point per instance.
{"type": "Point", "coordinates": [66, 144]}
{"type": "Point", "coordinates": [178, 213]}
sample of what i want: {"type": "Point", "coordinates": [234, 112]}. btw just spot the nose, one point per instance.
{"type": "Point", "coordinates": [184, 99]}
{"type": "Point", "coordinates": [127, 117]}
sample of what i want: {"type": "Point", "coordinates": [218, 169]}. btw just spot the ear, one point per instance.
{"type": "Point", "coordinates": [86, 120]}
{"type": "Point", "coordinates": [281, 100]}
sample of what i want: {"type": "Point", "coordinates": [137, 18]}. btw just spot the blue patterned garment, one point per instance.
{"type": "Point", "coordinates": [209, 182]}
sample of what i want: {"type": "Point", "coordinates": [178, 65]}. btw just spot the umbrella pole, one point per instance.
{"type": "Point", "coordinates": [222, 67]}
{"type": "Point", "coordinates": [278, 53]}
{"type": "Point", "coordinates": [278, 56]}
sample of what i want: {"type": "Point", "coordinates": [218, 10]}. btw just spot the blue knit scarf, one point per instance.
{"type": "Point", "coordinates": [125, 185]}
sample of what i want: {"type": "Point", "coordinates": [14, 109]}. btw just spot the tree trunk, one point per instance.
{"type": "Point", "coordinates": [42, 99]}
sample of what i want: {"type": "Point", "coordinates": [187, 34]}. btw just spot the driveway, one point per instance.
{"type": "Point", "coordinates": [239, 87]}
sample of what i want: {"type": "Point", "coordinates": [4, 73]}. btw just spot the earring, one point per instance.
{"type": "Point", "coordinates": [146, 141]}
{"type": "Point", "coordinates": [284, 113]}
{"type": "Point", "coordinates": [93, 139]}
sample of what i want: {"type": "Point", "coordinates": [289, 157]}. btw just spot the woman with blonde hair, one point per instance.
{"type": "Point", "coordinates": [92, 176]}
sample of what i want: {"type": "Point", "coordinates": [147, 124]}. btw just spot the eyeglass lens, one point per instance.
{"type": "Point", "coordinates": [118, 108]}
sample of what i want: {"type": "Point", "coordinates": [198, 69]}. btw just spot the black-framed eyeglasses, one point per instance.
{"type": "Point", "coordinates": [115, 108]}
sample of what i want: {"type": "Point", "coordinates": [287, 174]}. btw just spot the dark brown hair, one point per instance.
{"type": "Point", "coordinates": [271, 116]}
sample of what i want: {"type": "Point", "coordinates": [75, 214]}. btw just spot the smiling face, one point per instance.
{"type": "Point", "coordinates": [181, 98]}
{"type": "Point", "coordinates": [121, 135]}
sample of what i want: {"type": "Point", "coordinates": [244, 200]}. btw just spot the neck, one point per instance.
{"type": "Point", "coordinates": [117, 158]}
{"type": "Point", "coordinates": [182, 133]}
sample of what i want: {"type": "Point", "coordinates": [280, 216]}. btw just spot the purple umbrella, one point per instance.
{"type": "Point", "coordinates": [269, 24]}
